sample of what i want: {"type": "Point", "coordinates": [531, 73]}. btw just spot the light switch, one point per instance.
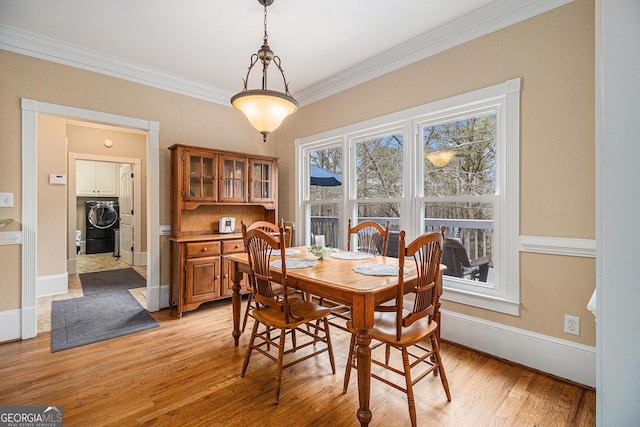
{"type": "Point", "coordinates": [6, 200]}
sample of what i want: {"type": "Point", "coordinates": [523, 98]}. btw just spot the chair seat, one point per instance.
{"type": "Point", "coordinates": [307, 311]}
{"type": "Point", "coordinates": [384, 329]}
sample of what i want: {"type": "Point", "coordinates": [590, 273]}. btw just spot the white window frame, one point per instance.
{"type": "Point", "coordinates": [504, 98]}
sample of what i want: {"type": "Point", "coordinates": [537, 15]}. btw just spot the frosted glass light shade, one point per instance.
{"type": "Point", "coordinates": [265, 109]}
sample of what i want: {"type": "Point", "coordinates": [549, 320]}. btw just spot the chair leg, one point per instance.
{"type": "Point", "coordinates": [246, 311]}
{"type": "Point", "coordinates": [407, 376]}
{"type": "Point", "coordinates": [279, 370]}
{"type": "Point", "coordinates": [350, 358]}
{"type": "Point", "coordinates": [387, 354]}
{"type": "Point", "coordinates": [294, 342]}
{"type": "Point", "coordinates": [329, 346]}
{"type": "Point", "coordinates": [443, 376]}
{"type": "Point", "coordinates": [248, 355]}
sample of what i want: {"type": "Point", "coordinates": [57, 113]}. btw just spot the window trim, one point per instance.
{"type": "Point", "coordinates": [504, 297]}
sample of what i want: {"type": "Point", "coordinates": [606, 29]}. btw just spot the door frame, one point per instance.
{"type": "Point", "coordinates": [30, 111]}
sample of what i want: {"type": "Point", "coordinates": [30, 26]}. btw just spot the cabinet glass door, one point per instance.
{"type": "Point", "coordinates": [201, 181]}
{"type": "Point", "coordinates": [262, 180]}
{"type": "Point", "coordinates": [233, 179]}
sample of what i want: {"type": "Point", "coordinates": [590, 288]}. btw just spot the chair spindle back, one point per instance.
{"type": "Point", "coordinates": [426, 251]}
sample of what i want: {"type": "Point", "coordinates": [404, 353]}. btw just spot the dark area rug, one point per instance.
{"type": "Point", "coordinates": [80, 321]}
{"type": "Point", "coordinates": [111, 281]}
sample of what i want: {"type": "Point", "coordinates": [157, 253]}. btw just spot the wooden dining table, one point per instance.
{"type": "Point", "coordinates": [336, 280]}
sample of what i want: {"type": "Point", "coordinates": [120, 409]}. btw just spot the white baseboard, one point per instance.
{"type": "Point", "coordinates": [140, 259]}
{"type": "Point", "coordinates": [72, 265]}
{"type": "Point", "coordinates": [55, 284]}
{"type": "Point", "coordinates": [562, 358]}
{"type": "Point", "coordinates": [9, 325]}
{"type": "Point", "coordinates": [164, 296]}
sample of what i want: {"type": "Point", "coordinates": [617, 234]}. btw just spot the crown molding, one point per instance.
{"type": "Point", "coordinates": [37, 46]}
{"type": "Point", "coordinates": [493, 17]}
{"type": "Point", "coordinates": [497, 15]}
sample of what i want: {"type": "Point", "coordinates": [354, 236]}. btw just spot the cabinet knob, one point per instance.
{"type": "Point", "coordinates": [204, 249]}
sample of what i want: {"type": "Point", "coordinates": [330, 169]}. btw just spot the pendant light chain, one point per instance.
{"type": "Point", "coordinates": [265, 23]}
{"type": "Point", "coordinates": [265, 109]}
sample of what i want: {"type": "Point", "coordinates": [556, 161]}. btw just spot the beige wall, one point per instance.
{"type": "Point", "coordinates": [52, 198]}
{"type": "Point", "coordinates": [554, 55]}
{"type": "Point", "coordinates": [182, 119]}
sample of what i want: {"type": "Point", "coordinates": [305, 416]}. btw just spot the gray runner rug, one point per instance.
{"type": "Point", "coordinates": [85, 320]}
{"type": "Point", "coordinates": [110, 281]}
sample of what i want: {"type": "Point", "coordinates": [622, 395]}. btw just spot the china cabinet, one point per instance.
{"type": "Point", "coordinates": [207, 185]}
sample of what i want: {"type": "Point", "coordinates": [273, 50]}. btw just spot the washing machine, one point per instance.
{"type": "Point", "coordinates": [103, 218]}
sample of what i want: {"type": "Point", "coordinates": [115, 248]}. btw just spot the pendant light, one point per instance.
{"type": "Point", "coordinates": [440, 158]}
{"type": "Point", "coordinates": [265, 109]}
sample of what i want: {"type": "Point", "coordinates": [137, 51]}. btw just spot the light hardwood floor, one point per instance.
{"type": "Point", "coordinates": [187, 373]}
{"type": "Point", "coordinates": [86, 264]}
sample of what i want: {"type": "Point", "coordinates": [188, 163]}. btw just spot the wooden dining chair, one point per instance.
{"type": "Point", "coordinates": [371, 237]}
{"type": "Point", "coordinates": [288, 232]}
{"type": "Point", "coordinates": [407, 330]}
{"type": "Point", "coordinates": [269, 227]}
{"type": "Point", "coordinates": [279, 312]}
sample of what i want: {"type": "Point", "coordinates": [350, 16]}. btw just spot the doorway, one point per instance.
{"type": "Point", "coordinates": [130, 196]}
{"type": "Point", "coordinates": [102, 183]}
{"type": "Point", "coordinates": [30, 111]}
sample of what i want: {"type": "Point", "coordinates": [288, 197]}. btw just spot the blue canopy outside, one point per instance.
{"type": "Point", "coordinates": [323, 177]}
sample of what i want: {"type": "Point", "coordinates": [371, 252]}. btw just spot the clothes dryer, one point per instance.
{"type": "Point", "coordinates": [103, 217]}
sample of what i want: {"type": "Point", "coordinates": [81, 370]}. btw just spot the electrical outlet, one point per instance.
{"type": "Point", "coordinates": [571, 324]}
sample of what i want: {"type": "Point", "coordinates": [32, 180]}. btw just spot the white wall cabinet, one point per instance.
{"type": "Point", "coordinates": [96, 178]}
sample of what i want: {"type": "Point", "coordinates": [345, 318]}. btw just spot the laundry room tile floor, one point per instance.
{"type": "Point", "coordinates": [87, 264]}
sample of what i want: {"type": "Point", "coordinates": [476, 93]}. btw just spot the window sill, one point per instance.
{"type": "Point", "coordinates": [500, 305]}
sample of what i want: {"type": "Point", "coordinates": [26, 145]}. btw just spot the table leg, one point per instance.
{"type": "Point", "coordinates": [236, 302]}
{"type": "Point", "coordinates": [363, 354]}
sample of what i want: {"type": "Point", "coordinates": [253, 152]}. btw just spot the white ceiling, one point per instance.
{"type": "Point", "coordinates": [202, 47]}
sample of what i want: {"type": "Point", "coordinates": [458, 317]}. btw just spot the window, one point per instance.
{"type": "Point", "coordinates": [459, 192]}
{"type": "Point", "coordinates": [379, 180]}
{"type": "Point", "coordinates": [453, 162]}
{"type": "Point", "coordinates": [322, 206]}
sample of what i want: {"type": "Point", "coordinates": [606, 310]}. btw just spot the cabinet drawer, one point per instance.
{"type": "Point", "coordinates": [232, 246]}
{"type": "Point", "coordinates": [200, 249]}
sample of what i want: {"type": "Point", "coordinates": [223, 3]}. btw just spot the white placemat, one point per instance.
{"type": "Point", "coordinates": [287, 251]}
{"type": "Point", "coordinates": [378, 269]}
{"type": "Point", "coordinates": [295, 263]}
{"type": "Point", "coordinates": [351, 255]}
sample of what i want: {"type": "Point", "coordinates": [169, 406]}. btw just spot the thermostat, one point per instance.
{"type": "Point", "coordinates": [56, 178]}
